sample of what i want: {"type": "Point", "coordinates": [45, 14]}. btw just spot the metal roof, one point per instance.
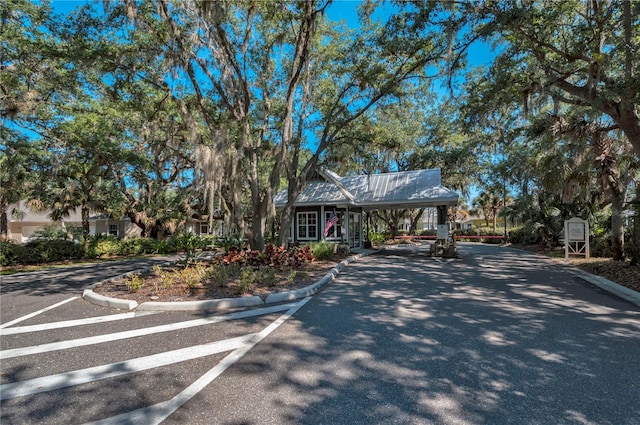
{"type": "Point", "coordinates": [405, 189]}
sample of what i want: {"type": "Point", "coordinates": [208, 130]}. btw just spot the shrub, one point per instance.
{"type": "Point", "coordinates": [248, 277]}
{"type": "Point", "coordinates": [291, 277]}
{"type": "Point", "coordinates": [601, 246]}
{"type": "Point", "coordinates": [268, 276]}
{"type": "Point", "coordinates": [220, 274]}
{"type": "Point", "coordinates": [51, 250]}
{"type": "Point", "coordinates": [276, 257]}
{"type": "Point", "coordinates": [138, 246]}
{"type": "Point", "coordinates": [322, 250]}
{"type": "Point", "coordinates": [376, 238]}
{"type": "Point", "coordinates": [479, 231]}
{"type": "Point", "coordinates": [519, 236]}
{"type": "Point", "coordinates": [134, 283]}
{"type": "Point", "coordinates": [192, 276]}
{"type": "Point", "coordinates": [12, 254]}
{"type": "Point", "coordinates": [51, 233]}
{"type": "Point", "coordinates": [103, 246]}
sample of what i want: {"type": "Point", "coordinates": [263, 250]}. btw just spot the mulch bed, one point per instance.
{"type": "Point", "coordinates": [620, 272]}
{"type": "Point", "coordinates": [154, 290]}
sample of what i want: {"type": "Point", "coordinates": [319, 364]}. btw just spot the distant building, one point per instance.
{"type": "Point", "coordinates": [327, 194]}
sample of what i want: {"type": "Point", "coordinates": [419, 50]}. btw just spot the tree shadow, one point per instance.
{"type": "Point", "coordinates": [500, 337]}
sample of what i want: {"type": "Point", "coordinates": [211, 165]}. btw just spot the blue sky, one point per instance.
{"type": "Point", "coordinates": [338, 10]}
{"type": "Point", "coordinates": [479, 53]}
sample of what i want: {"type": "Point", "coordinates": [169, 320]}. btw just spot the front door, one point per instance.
{"type": "Point", "coordinates": [355, 230]}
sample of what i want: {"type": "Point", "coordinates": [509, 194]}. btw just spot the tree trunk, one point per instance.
{"type": "Point", "coordinates": [259, 225]}
{"type": "Point", "coordinates": [635, 235]}
{"type": "Point", "coordinates": [286, 219]}
{"type": "Point", "coordinates": [617, 224]}
{"type": "Point", "coordinates": [137, 219]}
{"type": "Point", "coordinates": [391, 220]}
{"type": "Point", "coordinates": [415, 220]}
{"type": "Point", "coordinates": [84, 211]}
{"type": "Point", "coordinates": [4, 221]}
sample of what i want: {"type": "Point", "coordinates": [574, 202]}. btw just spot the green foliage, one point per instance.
{"type": "Point", "coordinates": [38, 251]}
{"type": "Point", "coordinates": [429, 232]}
{"type": "Point", "coordinates": [192, 276]}
{"type": "Point", "coordinates": [477, 231]}
{"type": "Point", "coordinates": [247, 279]}
{"type": "Point", "coordinates": [52, 232]}
{"type": "Point", "coordinates": [600, 246]}
{"type": "Point", "coordinates": [192, 245]}
{"type": "Point", "coordinates": [322, 250]}
{"type": "Point", "coordinates": [291, 277]}
{"type": "Point", "coordinates": [45, 251]}
{"type": "Point", "coordinates": [166, 278]}
{"type": "Point", "coordinates": [109, 246]}
{"type": "Point", "coordinates": [12, 254]}
{"type": "Point", "coordinates": [103, 246]}
{"type": "Point", "coordinates": [228, 242]}
{"type": "Point", "coordinates": [220, 274]}
{"type": "Point", "coordinates": [134, 282]}
{"type": "Point", "coordinates": [376, 238]}
{"type": "Point", "coordinates": [268, 276]}
{"type": "Point", "coordinates": [140, 246]}
{"type": "Point", "coordinates": [187, 242]}
{"type": "Point", "coordinates": [521, 236]}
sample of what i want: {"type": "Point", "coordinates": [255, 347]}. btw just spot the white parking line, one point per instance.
{"type": "Point", "coordinates": [157, 413]}
{"type": "Point", "coordinates": [73, 323]}
{"type": "Point", "coordinates": [83, 376]}
{"type": "Point", "coordinates": [35, 313]}
{"type": "Point", "coordinates": [98, 339]}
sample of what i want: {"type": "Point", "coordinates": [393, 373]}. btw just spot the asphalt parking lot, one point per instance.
{"type": "Point", "coordinates": [497, 336]}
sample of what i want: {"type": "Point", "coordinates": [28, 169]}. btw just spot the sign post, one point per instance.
{"type": "Point", "coordinates": [576, 237]}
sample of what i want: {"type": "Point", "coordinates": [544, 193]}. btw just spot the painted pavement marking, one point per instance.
{"type": "Point", "coordinates": [98, 339]}
{"type": "Point", "coordinates": [35, 313]}
{"type": "Point", "coordinates": [157, 413]}
{"type": "Point", "coordinates": [73, 323]}
{"type": "Point", "coordinates": [83, 376]}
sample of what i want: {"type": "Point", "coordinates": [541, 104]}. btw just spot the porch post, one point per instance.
{"type": "Point", "coordinates": [323, 223]}
{"type": "Point", "coordinates": [347, 233]}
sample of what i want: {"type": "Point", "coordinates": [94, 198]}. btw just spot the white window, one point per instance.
{"type": "Point", "coordinates": [308, 226]}
{"type": "Point", "coordinates": [336, 230]}
{"type": "Point", "coordinates": [113, 230]}
{"type": "Point", "coordinates": [204, 229]}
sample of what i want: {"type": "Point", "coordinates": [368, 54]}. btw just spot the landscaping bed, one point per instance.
{"type": "Point", "coordinates": [620, 272]}
{"type": "Point", "coordinates": [155, 289]}
{"type": "Point", "coordinates": [237, 273]}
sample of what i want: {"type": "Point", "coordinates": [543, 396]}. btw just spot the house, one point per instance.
{"type": "Point", "coordinates": [350, 197]}
{"type": "Point", "coordinates": [472, 221]}
{"type": "Point", "coordinates": [23, 224]}
{"type": "Point", "coordinates": [121, 229]}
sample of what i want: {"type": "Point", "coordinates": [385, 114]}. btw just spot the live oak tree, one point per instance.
{"type": "Point", "coordinates": [583, 53]}
{"type": "Point", "coordinates": [148, 168]}
{"type": "Point", "coordinates": [37, 85]}
{"type": "Point", "coordinates": [577, 57]}
{"type": "Point", "coordinates": [242, 63]}
{"type": "Point", "coordinates": [381, 142]}
{"type": "Point", "coordinates": [19, 158]}
{"type": "Point", "coordinates": [373, 66]}
{"type": "Point", "coordinates": [273, 79]}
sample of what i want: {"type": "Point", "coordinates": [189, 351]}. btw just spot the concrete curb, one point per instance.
{"type": "Point", "coordinates": [101, 300]}
{"type": "Point", "coordinates": [599, 281]}
{"type": "Point", "coordinates": [609, 286]}
{"type": "Point", "coordinates": [219, 304]}
{"type": "Point", "coordinates": [206, 305]}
